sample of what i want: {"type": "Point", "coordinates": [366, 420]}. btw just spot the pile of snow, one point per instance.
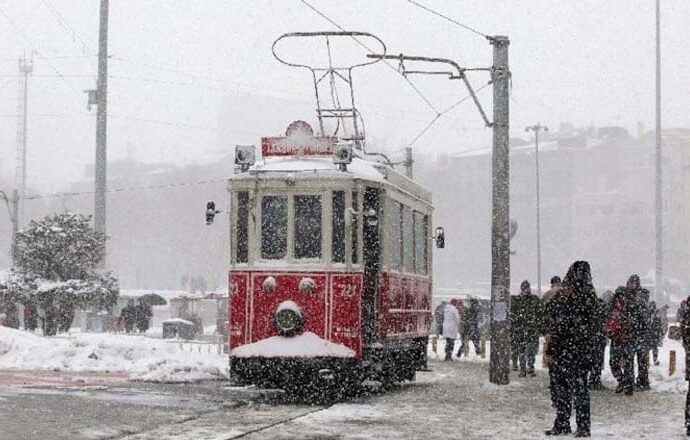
{"type": "Point", "coordinates": [141, 357]}
{"type": "Point", "coordinates": [305, 345]}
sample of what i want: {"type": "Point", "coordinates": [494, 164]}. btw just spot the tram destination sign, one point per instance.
{"type": "Point", "coordinates": [298, 145]}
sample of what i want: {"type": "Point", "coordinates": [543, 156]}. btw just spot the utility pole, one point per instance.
{"type": "Point", "coordinates": [26, 66]}
{"type": "Point", "coordinates": [408, 162]}
{"type": "Point", "coordinates": [101, 123]}
{"type": "Point", "coordinates": [658, 273]}
{"type": "Point", "coordinates": [499, 366]}
{"type": "Point", "coordinates": [536, 129]}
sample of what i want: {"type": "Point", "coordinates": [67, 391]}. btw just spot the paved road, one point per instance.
{"type": "Point", "coordinates": [453, 401]}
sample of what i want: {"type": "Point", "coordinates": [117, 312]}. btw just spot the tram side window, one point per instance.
{"type": "Point", "coordinates": [396, 236]}
{"type": "Point", "coordinates": [408, 241]}
{"type": "Point", "coordinates": [242, 247]}
{"type": "Point", "coordinates": [338, 227]}
{"type": "Point", "coordinates": [307, 227]}
{"type": "Point", "coordinates": [421, 234]}
{"type": "Point", "coordinates": [355, 228]}
{"type": "Point", "coordinates": [273, 227]}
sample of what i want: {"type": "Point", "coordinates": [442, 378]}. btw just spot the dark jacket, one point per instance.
{"type": "Point", "coordinates": [573, 321]}
{"type": "Point", "coordinates": [624, 323]}
{"type": "Point", "coordinates": [683, 317]}
{"type": "Point", "coordinates": [526, 315]}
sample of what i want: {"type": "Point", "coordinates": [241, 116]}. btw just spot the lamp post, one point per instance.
{"type": "Point", "coordinates": [537, 128]}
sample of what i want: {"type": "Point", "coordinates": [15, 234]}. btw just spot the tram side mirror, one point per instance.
{"type": "Point", "coordinates": [211, 212]}
{"type": "Point", "coordinates": [245, 156]}
{"type": "Point", "coordinates": [440, 237]}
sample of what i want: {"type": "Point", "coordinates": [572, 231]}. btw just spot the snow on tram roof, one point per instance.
{"type": "Point", "coordinates": [359, 168]}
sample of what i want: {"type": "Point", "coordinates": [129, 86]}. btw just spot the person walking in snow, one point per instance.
{"type": "Point", "coordinates": [128, 316]}
{"type": "Point", "coordinates": [526, 315]}
{"type": "Point", "coordinates": [438, 322]}
{"type": "Point", "coordinates": [451, 324]}
{"type": "Point", "coordinates": [621, 327]}
{"type": "Point", "coordinates": [555, 287]}
{"type": "Point", "coordinates": [599, 346]}
{"type": "Point", "coordinates": [142, 316]}
{"type": "Point", "coordinates": [643, 342]}
{"type": "Point", "coordinates": [570, 327]}
{"type": "Point", "coordinates": [470, 328]}
{"type": "Point", "coordinates": [683, 317]}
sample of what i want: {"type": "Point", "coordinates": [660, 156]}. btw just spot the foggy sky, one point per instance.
{"type": "Point", "coordinates": [176, 62]}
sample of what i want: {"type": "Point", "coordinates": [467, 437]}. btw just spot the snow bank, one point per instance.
{"type": "Point", "coordinates": [143, 358]}
{"type": "Point", "coordinates": [305, 345]}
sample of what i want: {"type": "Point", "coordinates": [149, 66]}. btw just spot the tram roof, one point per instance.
{"type": "Point", "coordinates": [323, 167]}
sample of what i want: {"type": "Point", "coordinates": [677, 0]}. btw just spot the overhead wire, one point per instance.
{"type": "Point", "coordinates": [35, 50]}
{"type": "Point", "coordinates": [73, 35]}
{"type": "Point", "coordinates": [438, 116]}
{"type": "Point", "coordinates": [124, 189]}
{"type": "Point", "coordinates": [462, 25]}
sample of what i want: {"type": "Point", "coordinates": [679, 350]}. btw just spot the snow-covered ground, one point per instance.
{"type": "Point", "coordinates": [141, 357]}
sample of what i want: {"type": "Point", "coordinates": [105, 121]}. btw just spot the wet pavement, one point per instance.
{"type": "Point", "coordinates": [455, 400]}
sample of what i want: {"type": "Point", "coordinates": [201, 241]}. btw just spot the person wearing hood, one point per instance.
{"type": "Point", "coordinates": [683, 317]}
{"type": "Point", "coordinates": [570, 326]}
{"type": "Point", "coordinates": [451, 326]}
{"type": "Point", "coordinates": [526, 315]}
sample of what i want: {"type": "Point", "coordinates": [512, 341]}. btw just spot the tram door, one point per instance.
{"type": "Point", "coordinates": [372, 264]}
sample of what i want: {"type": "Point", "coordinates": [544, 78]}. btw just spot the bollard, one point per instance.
{"type": "Point", "coordinates": [482, 349]}
{"type": "Point", "coordinates": [671, 362]}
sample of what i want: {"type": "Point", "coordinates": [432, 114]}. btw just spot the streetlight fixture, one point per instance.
{"type": "Point", "coordinates": [537, 128]}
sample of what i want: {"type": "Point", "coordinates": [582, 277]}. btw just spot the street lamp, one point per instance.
{"type": "Point", "coordinates": [536, 129]}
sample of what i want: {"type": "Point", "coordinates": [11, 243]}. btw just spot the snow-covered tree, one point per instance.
{"type": "Point", "coordinates": [57, 259]}
{"type": "Point", "coordinates": [60, 248]}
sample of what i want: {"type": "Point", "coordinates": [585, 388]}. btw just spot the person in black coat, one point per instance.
{"type": "Point", "coordinates": [571, 328]}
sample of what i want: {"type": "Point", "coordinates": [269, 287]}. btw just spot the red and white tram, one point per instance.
{"type": "Point", "coordinates": [330, 271]}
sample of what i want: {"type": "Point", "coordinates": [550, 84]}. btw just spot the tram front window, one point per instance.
{"type": "Point", "coordinates": [307, 227]}
{"type": "Point", "coordinates": [274, 227]}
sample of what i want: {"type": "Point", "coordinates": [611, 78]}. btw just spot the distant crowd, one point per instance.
{"type": "Point", "coordinates": [576, 325]}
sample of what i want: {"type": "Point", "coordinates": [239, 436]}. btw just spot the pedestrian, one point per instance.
{"type": "Point", "coordinates": [555, 287]}
{"type": "Point", "coordinates": [683, 316]}
{"type": "Point", "coordinates": [656, 336]}
{"type": "Point", "coordinates": [526, 315]}
{"type": "Point", "coordinates": [142, 316]}
{"type": "Point", "coordinates": [451, 323]}
{"type": "Point", "coordinates": [469, 330]}
{"type": "Point", "coordinates": [598, 345]}
{"type": "Point", "coordinates": [662, 313]}
{"type": "Point", "coordinates": [570, 326]}
{"type": "Point", "coordinates": [644, 337]}
{"type": "Point", "coordinates": [623, 329]}
{"type": "Point", "coordinates": [514, 352]}
{"type": "Point", "coordinates": [438, 322]}
{"type": "Point", "coordinates": [128, 316]}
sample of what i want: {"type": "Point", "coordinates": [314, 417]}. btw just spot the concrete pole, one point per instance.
{"type": "Point", "coordinates": [499, 366]}
{"type": "Point", "coordinates": [101, 123]}
{"type": "Point", "coordinates": [408, 162]}
{"type": "Point", "coordinates": [658, 180]}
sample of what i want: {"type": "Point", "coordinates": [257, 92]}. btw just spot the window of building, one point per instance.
{"type": "Point", "coordinates": [395, 220]}
{"type": "Point", "coordinates": [421, 234]}
{"type": "Point", "coordinates": [338, 227]}
{"type": "Point", "coordinates": [274, 227]}
{"type": "Point", "coordinates": [307, 227]}
{"type": "Point", "coordinates": [242, 245]}
{"type": "Point", "coordinates": [408, 242]}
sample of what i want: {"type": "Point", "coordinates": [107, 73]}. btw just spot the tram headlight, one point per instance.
{"type": "Point", "coordinates": [288, 319]}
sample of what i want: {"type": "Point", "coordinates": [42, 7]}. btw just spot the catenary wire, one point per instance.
{"type": "Point", "coordinates": [462, 25]}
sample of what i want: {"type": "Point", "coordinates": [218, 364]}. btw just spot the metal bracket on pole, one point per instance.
{"type": "Point", "coordinates": [459, 75]}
